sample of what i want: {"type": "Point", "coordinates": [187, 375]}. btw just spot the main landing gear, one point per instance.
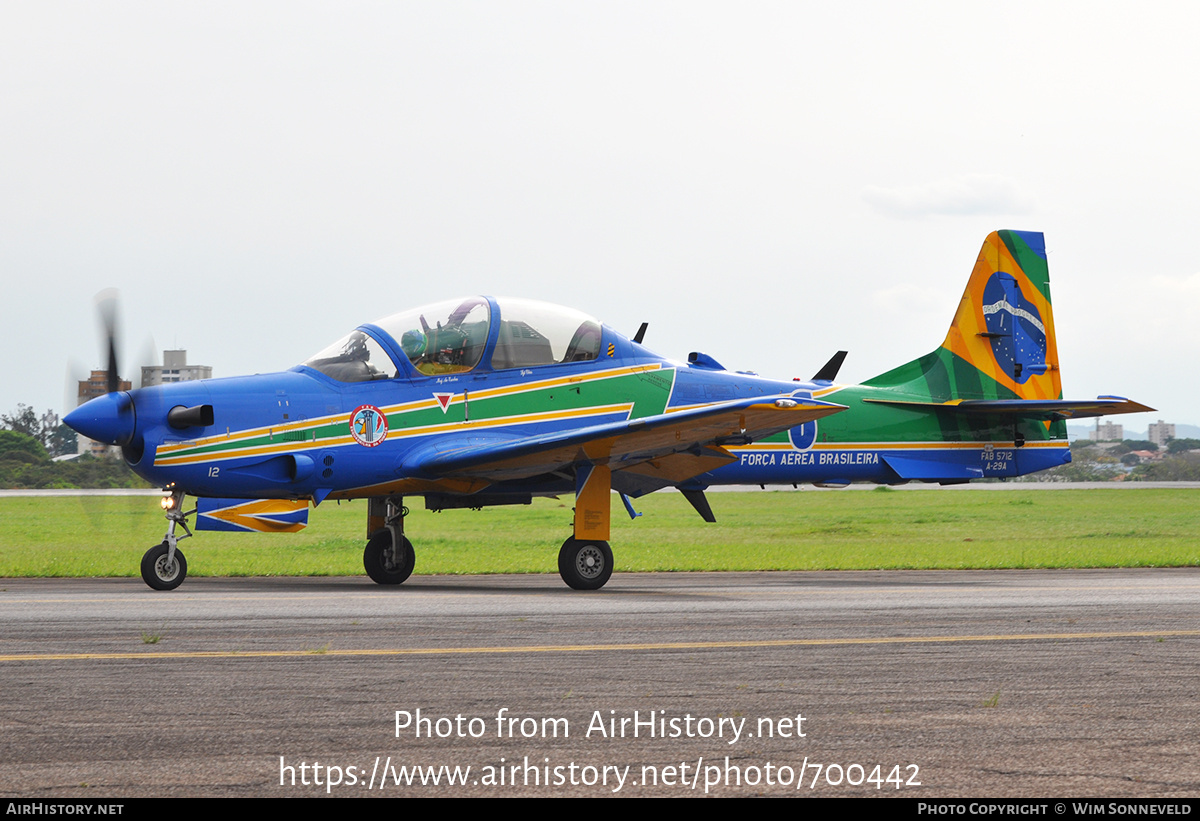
{"type": "Point", "coordinates": [585, 561]}
{"type": "Point", "coordinates": [164, 566]}
{"type": "Point", "coordinates": [389, 557]}
{"type": "Point", "coordinates": [585, 565]}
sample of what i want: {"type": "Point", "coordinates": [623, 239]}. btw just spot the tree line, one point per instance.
{"type": "Point", "coordinates": [31, 451]}
{"type": "Point", "coordinates": [1103, 462]}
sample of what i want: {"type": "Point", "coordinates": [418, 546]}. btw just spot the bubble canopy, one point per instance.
{"type": "Point", "coordinates": [461, 335]}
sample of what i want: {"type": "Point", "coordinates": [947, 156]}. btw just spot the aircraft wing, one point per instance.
{"type": "Point", "coordinates": [1045, 409]}
{"type": "Point", "coordinates": [688, 441]}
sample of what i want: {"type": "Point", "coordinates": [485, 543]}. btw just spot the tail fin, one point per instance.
{"type": "Point", "coordinates": [1005, 325]}
{"type": "Point", "coordinates": [1000, 357]}
{"type": "Point", "coordinates": [1001, 343]}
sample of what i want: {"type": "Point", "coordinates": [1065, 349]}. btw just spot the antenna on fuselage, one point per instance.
{"type": "Point", "coordinates": [829, 370]}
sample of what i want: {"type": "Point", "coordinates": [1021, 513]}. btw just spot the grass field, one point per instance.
{"type": "Point", "coordinates": [106, 536]}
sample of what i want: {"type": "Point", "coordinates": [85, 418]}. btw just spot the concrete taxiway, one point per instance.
{"type": "Point", "coordinates": [997, 683]}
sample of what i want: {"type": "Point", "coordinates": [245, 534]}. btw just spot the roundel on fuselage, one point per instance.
{"type": "Point", "coordinates": [803, 436]}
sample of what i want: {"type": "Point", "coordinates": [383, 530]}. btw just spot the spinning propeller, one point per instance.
{"type": "Point", "coordinates": [113, 418]}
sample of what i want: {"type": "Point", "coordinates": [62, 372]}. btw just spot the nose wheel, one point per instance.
{"type": "Point", "coordinates": [161, 570]}
{"type": "Point", "coordinates": [585, 565]}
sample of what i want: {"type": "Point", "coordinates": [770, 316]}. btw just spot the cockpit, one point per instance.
{"type": "Point", "coordinates": [459, 336]}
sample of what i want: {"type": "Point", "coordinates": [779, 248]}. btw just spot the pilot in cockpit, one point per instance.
{"type": "Point", "coordinates": [436, 351]}
{"type": "Point", "coordinates": [413, 344]}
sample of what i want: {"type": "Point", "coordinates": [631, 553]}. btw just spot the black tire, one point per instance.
{"type": "Point", "coordinates": [376, 567]}
{"type": "Point", "coordinates": [160, 575]}
{"type": "Point", "coordinates": [585, 565]}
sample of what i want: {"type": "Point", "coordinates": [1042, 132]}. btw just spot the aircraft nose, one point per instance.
{"type": "Point", "coordinates": [109, 419]}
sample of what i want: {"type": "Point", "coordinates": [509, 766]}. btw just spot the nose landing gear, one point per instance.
{"type": "Point", "coordinates": [164, 566]}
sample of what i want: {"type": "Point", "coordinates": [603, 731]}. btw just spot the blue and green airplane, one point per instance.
{"type": "Point", "coordinates": [483, 401]}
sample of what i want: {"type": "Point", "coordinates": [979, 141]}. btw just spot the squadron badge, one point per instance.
{"type": "Point", "coordinates": [368, 426]}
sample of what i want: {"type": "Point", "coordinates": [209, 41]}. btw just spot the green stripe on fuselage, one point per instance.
{"type": "Point", "coordinates": [648, 391]}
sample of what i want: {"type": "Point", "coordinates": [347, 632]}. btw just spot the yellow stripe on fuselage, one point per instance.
{"type": "Point", "coordinates": [429, 403]}
{"type": "Point", "coordinates": [403, 433]}
{"type": "Point", "coordinates": [1053, 443]}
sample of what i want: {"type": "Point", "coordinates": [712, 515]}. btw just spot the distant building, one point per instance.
{"type": "Point", "coordinates": [1161, 433]}
{"type": "Point", "coordinates": [174, 369]}
{"type": "Point", "coordinates": [1108, 432]}
{"type": "Point", "coordinates": [96, 385]}
{"type": "Point", "coordinates": [1143, 455]}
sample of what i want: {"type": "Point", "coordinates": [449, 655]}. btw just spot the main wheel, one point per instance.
{"type": "Point", "coordinates": [379, 568]}
{"type": "Point", "coordinates": [585, 565]}
{"type": "Point", "coordinates": [160, 573]}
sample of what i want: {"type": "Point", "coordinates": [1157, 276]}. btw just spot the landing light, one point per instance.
{"type": "Point", "coordinates": [167, 502]}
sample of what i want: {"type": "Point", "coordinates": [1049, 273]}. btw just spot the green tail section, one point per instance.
{"type": "Point", "coordinates": [1000, 345]}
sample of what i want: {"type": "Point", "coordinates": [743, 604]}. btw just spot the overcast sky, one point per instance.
{"type": "Point", "coordinates": [764, 182]}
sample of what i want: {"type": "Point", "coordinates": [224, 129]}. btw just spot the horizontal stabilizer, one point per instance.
{"type": "Point", "coordinates": [1044, 409]}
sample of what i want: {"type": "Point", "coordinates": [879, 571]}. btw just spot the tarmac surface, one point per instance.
{"type": "Point", "coordinates": [982, 683]}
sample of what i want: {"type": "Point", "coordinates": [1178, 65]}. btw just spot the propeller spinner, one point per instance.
{"type": "Point", "coordinates": [111, 418]}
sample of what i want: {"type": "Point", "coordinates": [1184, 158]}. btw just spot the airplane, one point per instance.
{"type": "Point", "coordinates": [986, 404]}
{"type": "Point", "coordinates": [487, 401]}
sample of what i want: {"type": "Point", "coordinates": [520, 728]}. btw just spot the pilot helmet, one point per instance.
{"type": "Point", "coordinates": [413, 343]}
